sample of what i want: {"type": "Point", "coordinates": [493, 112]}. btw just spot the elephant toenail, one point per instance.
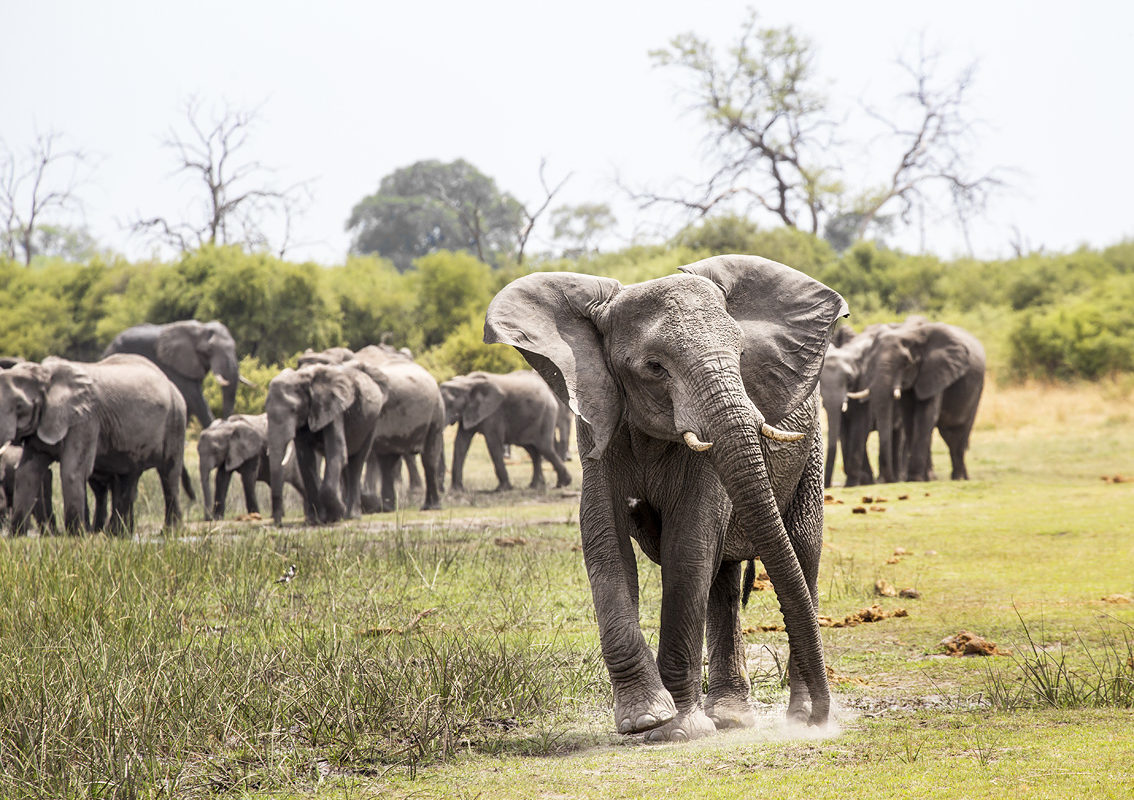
{"type": "Point", "coordinates": [646, 721]}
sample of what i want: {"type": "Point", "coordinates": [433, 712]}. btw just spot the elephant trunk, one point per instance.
{"type": "Point", "coordinates": [281, 432]}
{"type": "Point", "coordinates": [738, 458]}
{"type": "Point", "coordinates": [882, 411]}
{"type": "Point", "coordinates": [227, 372]}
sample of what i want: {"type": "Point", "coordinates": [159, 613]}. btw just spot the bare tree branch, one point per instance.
{"type": "Point", "coordinates": [236, 193]}
{"type": "Point", "coordinates": [31, 191]}
{"type": "Point", "coordinates": [530, 217]}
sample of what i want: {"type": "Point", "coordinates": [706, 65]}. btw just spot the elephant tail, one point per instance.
{"type": "Point", "coordinates": [188, 485]}
{"type": "Point", "coordinates": [747, 582]}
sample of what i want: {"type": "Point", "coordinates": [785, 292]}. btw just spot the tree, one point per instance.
{"type": "Point", "coordinates": [578, 227]}
{"type": "Point", "coordinates": [530, 217]}
{"type": "Point", "coordinates": [430, 206]}
{"type": "Point", "coordinates": [768, 128]}
{"type": "Point", "coordinates": [236, 197]}
{"type": "Point", "coordinates": [40, 185]}
{"type": "Point", "coordinates": [770, 135]}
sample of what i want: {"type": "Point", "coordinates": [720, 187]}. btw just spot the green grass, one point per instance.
{"type": "Point", "coordinates": [455, 654]}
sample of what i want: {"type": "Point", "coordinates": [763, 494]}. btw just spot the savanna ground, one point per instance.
{"type": "Point", "coordinates": [455, 654]}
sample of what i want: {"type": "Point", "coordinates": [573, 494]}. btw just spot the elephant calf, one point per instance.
{"type": "Point", "coordinates": [239, 444]}
{"type": "Point", "coordinates": [516, 408]}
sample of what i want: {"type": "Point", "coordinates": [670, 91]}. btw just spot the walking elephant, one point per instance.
{"type": "Point", "coordinates": [680, 383]}
{"type": "Point", "coordinates": [186, 351]}
{"type": "Point", "coordinates": [239, 444]}
{"type": "Point", "coordinates": [105, 423]}
{"type": "Point", "coordinates": [516, 408]}
{"type": "Point", "coordinates": [923, 375]}
{"type": "Point", "coordinates": [325, 409]}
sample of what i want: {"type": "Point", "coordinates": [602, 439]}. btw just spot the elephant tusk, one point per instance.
{"type": "Point", "coordinates": [288, 452]}
{"type": "Point", "coordinates": [4, 447]}
{"type": "Point", "coordinates": [694, 443]}
{"type": "Point", "coordinates": [246, 382]}
{"type": "Point", "coordinates": [897, 393]}
{"type": "Point", "coordinates": [844, 406]}
{"type": "Point", "coordinates": [221, 379]}
{"type": "Point", "coordinates": [776, 435]}
{"type": "Point", "coordinates": [860, 395]}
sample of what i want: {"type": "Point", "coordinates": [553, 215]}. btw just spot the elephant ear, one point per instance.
{"type": "Point", "coordinates": [484, 398]}
{"type": "Point", "coordinates": [244, 444]}
{"type": "Point", "coordinates": [332, 393]}
{"type": "Point", "coordinates": [177, 349]}
{"type": "Point", "coordinates": [785, 320]}
{"type": "Point", "coordinates": [68, 401]}
{"type": "Point", "coordinates": [550, 318]}
{"type": "Point", "coordinates": [945, 361]}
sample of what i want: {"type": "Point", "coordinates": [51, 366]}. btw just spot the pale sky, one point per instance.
{"type": "Point", "coordinates": [351, 91]}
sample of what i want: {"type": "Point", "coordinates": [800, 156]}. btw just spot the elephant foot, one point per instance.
{"type": "Point", "coordinates": [563, 482]}
{"type": "Point", "coordinates": [370, 505]}
{"type": "Point", "coordinates": [434, 505]}
{"type": "Point", "coordinates": [730, 712]}
{"type": "Point", "coordinates": [644, 714]}
{"type": "Point", "coordinates": [503, 487]}
{"type": "Point", "coordinates": [686, 726]}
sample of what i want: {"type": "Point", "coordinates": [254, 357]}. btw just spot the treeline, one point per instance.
{"type": "Point", "coordinates": [1047, 316]}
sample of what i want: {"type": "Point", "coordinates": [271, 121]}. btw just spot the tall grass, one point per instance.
{"type": "Point", "coordinates": [176, 668]}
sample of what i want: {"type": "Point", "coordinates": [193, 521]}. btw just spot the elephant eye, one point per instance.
{"type": "Point", "coordinates": [656, 369]}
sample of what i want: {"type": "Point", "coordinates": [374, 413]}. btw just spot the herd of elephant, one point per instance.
{"type": "Point", "coordinates": [698, 398]}
{"type": "Point", "coordinates": [901, 380]}
{"type": "Point", "coordinates": [338, 429]}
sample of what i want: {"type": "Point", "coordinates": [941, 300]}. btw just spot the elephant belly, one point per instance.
{"type": "Point", "coordinates": [123, 463]}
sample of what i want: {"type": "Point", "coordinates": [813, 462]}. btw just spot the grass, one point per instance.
{"type": "Point", "coordinates": [454, 653]}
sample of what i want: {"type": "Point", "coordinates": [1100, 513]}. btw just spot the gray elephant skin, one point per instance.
{"type": "Point", "coordinates": [514, 408]}
{"type": "Point", "coordinates": [44, 514]}
{"type": "Point", "coordinates": [238, 444]}
{"type": "Point", "coordinates": [843, 388]}
{"type": "Point", "coordinates": [105, 422]}
{"type": "Point", "coordinates": [699, 436]}
{"type": "Point", "coordinates": [923, 375]}
{"type": "Point", "coordinates": [186, 351]}
{"type": "Point", "coordinates": [412, 422]}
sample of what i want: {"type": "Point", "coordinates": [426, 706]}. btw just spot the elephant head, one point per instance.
{"type": "Point", "coordinates": [44, 400]}
{"type": "Point", "coordinates": [191, 349]}
{"type": "Point", "coordinates": [470, 399]}
{"type": "Point", "coordinates": [712, 358]}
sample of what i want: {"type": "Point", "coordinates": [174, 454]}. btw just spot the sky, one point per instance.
{"type": "Point", "coordinates": [348, 92]}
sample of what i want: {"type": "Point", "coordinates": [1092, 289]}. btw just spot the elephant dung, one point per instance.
{"type": "Point", "coordinates": [967, 643]}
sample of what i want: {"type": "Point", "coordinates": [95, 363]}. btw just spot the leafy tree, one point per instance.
{"type": "Point", "coordinates": [464, 351]}
{"type": "Point", "coordinates": [730, 233]}
{"type": "Point", "coordinates": [449, 287]}
{"type": "Point", "coordinates": [376, 301]}
{"type": "Point", "coordinates": [578, 227]}
{"type": "Point", "coordinates": [430, 206]}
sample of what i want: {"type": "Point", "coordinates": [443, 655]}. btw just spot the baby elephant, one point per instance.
{"type": "Point", "coordinates": [516, 408]}
{"type": "Point", "coordinates": [238, 444]}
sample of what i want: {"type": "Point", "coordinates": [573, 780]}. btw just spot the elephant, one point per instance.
{"type": "Point", "coordinates": [564, 422]}
{"type": "Point", "coordinates": [185, 351]}
{"type": "Point", "coordinates": [680, 385]}
{"type": "Point", "coordinates": [10, 455]}
{"type": "Point", "coordinates": [412, 423]}
{"type": "Point", "coordinates": [842, 388]}
{"type": "Point", "coordinates": [238, 444]}
{"type": "Point", "coordinates": [515, 408]}
{"type": "Point", "coordinates": [923, 375]}
{"type": "Point", "coordinates": [325, 409]}
{"type": "Point", "coordinates": [105, 422]}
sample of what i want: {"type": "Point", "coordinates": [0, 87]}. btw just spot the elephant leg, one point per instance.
{"type": "Point", "coordinates": [641, 701]}
{"type": "Point", "coordinates": [220, 497]}
{"type": "Point", "coordinates": [248, 473]}
{"type": "Point", "coordinates": [124, 493]}
{"type": "Point", "coordinates": [433, 464]}
{"type": "Point", "coordinates": [922, 419]}
{"type": "Point", "coordinates": [727, 700]}
{"type": "Point", "coordinates": [537, 468]}
{"type": "Point", "coordinates": [44, 511]}
{"type": "Point", "coordinates": [957, 439]}
{"type": "Point", "coordinates": [75, 467]}
{"type": "Point", "coordinates": [562, 476]}
{"type": "Point", "coordinates": [388, 465]}
{"type": "Point", "coordinates": [460, 452]}
{"type": "Point", "coordinates": [496, 451]}
{"type": "Point", "coordinates": [803, 521]}
{"type": "Point", "coordinates": [413, 472]}
{"type": "Point", "coordinates": [352, 483]}
{"type": "Point", "coordinates": [309, 472]}
{"type": "Point", "coordinates": [371, 501]}
{"type": "Point", "coordinates": [170, 475]}
{"type": "Point", "coordinates": [27, 489]}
